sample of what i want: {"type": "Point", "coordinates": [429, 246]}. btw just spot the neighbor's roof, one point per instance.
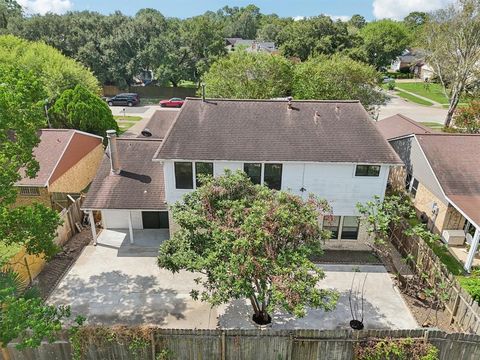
{"type": "Point", "coordinates": [266, 130]}
{"type": "Point", "coordinates": [57, 151]}
{"type": "Point", "coordinates": [455, 161]}
{"type": "Point", "coordinates": [399, 125]}
{"type": "Point", "coordinates": [139, 185]}
{"type": "Point", "coordinates": [160, 123]}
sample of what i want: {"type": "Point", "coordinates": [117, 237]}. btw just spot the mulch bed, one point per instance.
{"type": "Point", "coordinates": [347, 257]}
{"type": "Point", "coordinates": [56, 268]}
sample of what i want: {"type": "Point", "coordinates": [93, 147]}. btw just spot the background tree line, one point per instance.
{"type": "Point", "coordinates": [116, 47]}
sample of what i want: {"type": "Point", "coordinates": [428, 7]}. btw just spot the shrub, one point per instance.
{"type": "Point", "coordinates": [472, 284]}
{"type": "Point", "coordinates": [391, 85]}
{"type": "Point", "coordinates": [395, 349]}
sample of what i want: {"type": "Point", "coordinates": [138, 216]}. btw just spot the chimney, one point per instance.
{"type": "Point", "coordinates": [113, 150]}
{"type": "Point", "coordinates": [289, 103]}
{"type": "Point", "coordinates": [203, 92]}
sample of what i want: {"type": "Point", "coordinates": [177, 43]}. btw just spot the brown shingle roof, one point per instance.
{"type": "Point", "coordinates": [265, 130]}
{"type": "Point", "coordinates": [455, 160]}
{"type": "Point", "coordinates": [139, 185]}
{"type": "Point", "coordinates": [399, 125]}
{"type": "Point", "coordinates": [160, 123]}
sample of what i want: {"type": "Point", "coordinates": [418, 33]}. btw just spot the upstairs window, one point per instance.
{"type": "Point", "coordinates": [202, 168]}
{"type": "Point", "coordinates": [367, 170]}
{"type": "Point", "coordinates": [254, 172]}
{"type": "Point", "coordinates": [273, 176]}
{"type": "Point", "coordinates": [183, 175]}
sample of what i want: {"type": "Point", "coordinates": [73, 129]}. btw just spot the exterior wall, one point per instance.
{"type": "Point", "coordinates": [77, 178]}
{"type": "Point", "coordinates": [44, 199]}
{"type": "Point", "coordinates": [118, 219]}
{"type": "Point", "coordinates": [453, 219]}
{"type": "Point", "coordinates": [424, 201]}
{"type": "Point", "coordinates": [336, 183]}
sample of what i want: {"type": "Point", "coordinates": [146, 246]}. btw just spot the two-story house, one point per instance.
{"type": "Point", "coordinates": [329, 148]}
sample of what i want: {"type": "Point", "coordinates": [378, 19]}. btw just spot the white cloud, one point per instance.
{"type": "Point", "coordinates": [397, 10]}
{"type": "Point", "coordinates": [44, 6]}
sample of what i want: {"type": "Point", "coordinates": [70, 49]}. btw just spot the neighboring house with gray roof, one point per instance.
{"type": "Point", "coordinates": [442, 175]}
{"type": "Point", "coordinates": [68, 161]}
{"type": "Point", "coordinates": [329, 148]}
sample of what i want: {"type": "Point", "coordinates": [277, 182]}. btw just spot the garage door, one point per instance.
{"type": "Point", "coordinates": [155, 219]}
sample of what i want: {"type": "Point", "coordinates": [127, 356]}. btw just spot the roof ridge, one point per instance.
{"type": "Point", "coordinates": [449, 134]}
{"type": "Point", "coordinates": [274, 100]}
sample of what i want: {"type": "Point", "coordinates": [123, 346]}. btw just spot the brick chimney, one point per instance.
{"type": "Point", "coordinates": [113, 152]}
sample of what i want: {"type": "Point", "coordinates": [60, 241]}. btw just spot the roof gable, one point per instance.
{"type": "Point", "coordinates": [399, 125]}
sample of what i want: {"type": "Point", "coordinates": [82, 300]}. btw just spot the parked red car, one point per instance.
{"type": "Point", "coordinates": [173, 102]}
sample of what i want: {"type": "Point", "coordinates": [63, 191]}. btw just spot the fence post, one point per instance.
{"type": "Point", "coordinates": [152, 341]}
{"type": "Point", "coordinates": [455, 306]}
{"type": "Point", "coordinates": [222, 349]}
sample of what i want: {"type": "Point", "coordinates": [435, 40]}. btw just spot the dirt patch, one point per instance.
{"type": "Point", "coordinates": [53, 272]}
{"type": "Point", "coordinates": [347, 257]}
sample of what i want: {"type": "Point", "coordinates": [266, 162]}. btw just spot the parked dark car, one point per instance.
{"type": "Point", "coordinates": [128, 99]}
{"type": "Point", "coordinates": [173, 102]}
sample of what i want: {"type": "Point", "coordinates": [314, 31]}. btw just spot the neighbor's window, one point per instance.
{"type": "Point", "coordinates": [202, 168]}
{"type": "Point", "coordinates": [29, 191]}
{"type": "Point", "coordinates": [273, 176]}
{"type": "Point", "coordinates": [367, 170]}
{"type": "Point", "coordinates": [254, 172]}
{"type": "Point", "coordinates": [414, 188]}
{"type": "Point", "coordinates": [408, 181]}
{"type": "Point", "coordinates": [183, 175]}
{"type": "Point", "coordinates": [332, 224]}
{"type": "Point", "coordinates": [350, 228]}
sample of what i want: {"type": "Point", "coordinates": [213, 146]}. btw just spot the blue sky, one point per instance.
{"type": "Point", "coordinates": [371, 9]}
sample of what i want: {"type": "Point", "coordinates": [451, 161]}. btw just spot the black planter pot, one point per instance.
{"type": "Point", "coordinates": [356, 324]}
{"type": "Point", "coordinates": [259, 320]}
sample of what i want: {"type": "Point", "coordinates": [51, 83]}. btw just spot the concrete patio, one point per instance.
{"type": "Point", "coordinates": [117, 282]}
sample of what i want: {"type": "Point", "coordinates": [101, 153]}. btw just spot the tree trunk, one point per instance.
{"type": "Point", "coordinates": [174, 83]}
{"type": "Point", "coordinates": [451, 109]}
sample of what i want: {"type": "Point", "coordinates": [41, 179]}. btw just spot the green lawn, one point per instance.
{"type": "Point", "coordinates": [413, 98]}
{"type": "Point", "coordinates": [7, 251]}
{"type": "Point", "coordinates": [431, 91]}
{"type": "Point", "coordinates": [127, 118]}
{"type": "Point", "coordinates": [452, 264]}
{"type": "Point", "coordinates": [433, 125]}
{"type": "Point", "coordinates": [125, 125]}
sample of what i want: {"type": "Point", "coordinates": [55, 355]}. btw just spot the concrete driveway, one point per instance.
{"type": "Point", "coordinates": [417, 112]}
{"type": "Point", "coordinates": [384, 307]}
{"type": "Point", "coordinates": [120, 283]}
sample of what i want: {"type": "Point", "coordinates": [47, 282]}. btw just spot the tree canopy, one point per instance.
{"type": "Point", "coordinates": [53, 70]}
{"type": "Point", "coordinates": [244, 75]}
{"type": "Point", "coordinates": [337, 78]}
{"type": "Point", "coordinates": [383, 41]}
{"type": "Point", "coordinates": [80, 109]}
{"type": "Point", "coordinates": [248, 241]}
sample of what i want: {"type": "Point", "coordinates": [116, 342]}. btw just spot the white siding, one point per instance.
{"type": "Point", "coordinates": [118, 219]}
{"type": "Point", "coordinates": [336, 183]}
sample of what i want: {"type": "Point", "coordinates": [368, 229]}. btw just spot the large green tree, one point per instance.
{"type": "Point", "coordinates": [53, 70]}
{"type": "Point", "coordinates": [451, 38]}
{"type": "Point", "coordinates": [33, 227]}
{"type": "Point", "coordinates": [247, 241]}
{"type": "Point", "coordinates": [9, 9]}
{"type": "Point", "coordinates": [80, 109]}
{"type": "Point", "coordinates": [247, 75]}
{"type": "Point", "coordinates": [383, 41]}
{"type": "Point", "coordinates": [337, 78]}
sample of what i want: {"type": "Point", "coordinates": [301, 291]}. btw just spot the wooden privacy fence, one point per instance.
{"type": "Point", "coordinates": [251, 344]}
{"type": "Point", "coordinates": [29, 266]}
{"type": "Point", "coordinates": [464, 310]}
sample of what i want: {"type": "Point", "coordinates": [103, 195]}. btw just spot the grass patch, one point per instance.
{"type": "Point", "coordinates": [431, 91]}
{"type": "Point", "coordinates": [413, 98]}
{"type": "Point", "coordinates": [433, 125]}
{"type": "Point", "coordinates": [7, 251]}
{"type": "Point", "coordinates": [452, 264]}
{"type": "Point", "coordinates": [124, 126]}
{"type": "Point", "coordinates": [471, 284]}
{"type": "Point", "coordinates": [127, 118]}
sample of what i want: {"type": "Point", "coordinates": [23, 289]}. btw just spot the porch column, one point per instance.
{"type": "Point", "coordinates": [130, 227]}
{"type": "Point", "coordinates": [92, 226]}
{"type": "Point", "coordinates": [473, 250]}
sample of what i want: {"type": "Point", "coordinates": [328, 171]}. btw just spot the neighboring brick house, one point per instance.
{"type": "Point", "coordinates": [329, 148]}
{"type": "Point", "coordinates": [68, 162]}
{"type": "Point", "coordinates": [442, 175]}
